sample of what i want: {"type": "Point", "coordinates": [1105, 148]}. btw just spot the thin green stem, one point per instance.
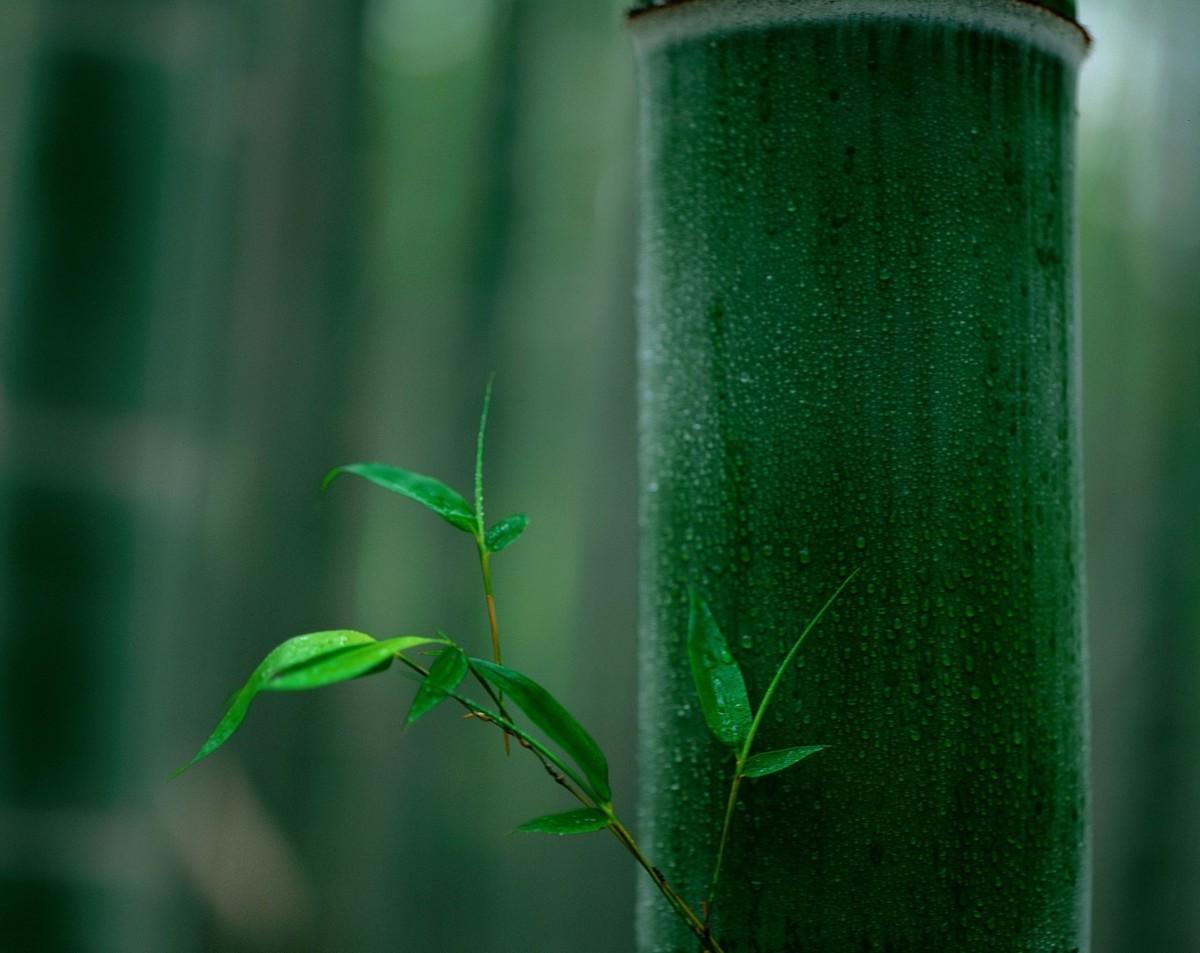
{"type": "Point", "coordinates": [748, 744]}
{"type": "Point", "coordinates": [485, 557]}
{"type": "Point", "coordinates": [566, 778]}
{"type": "Point", "coordinates": [540, 751]}
{"type": "Point", "coordinates": [485, 568]}
{"type": "Point", "coordinates": [725, 827]}
{"type": "Point", "coordinates": [564, 775]}
{"type": "Point", "coordinates": [699, 928]}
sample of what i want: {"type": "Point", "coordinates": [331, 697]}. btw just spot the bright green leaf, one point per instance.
{"type": "Point", "coordinates": [560, 726]}
{"type": "Point", "coordinates": [427, 491]}
{"type": "Point", "coordinates": [506, 531]}
{"type": "Point", "coordinates": [771, 761]}
{"type": "Point", "coordinates": [445, 675]}
{"type": "Point", "coordinates": [342, 664]}
{"type": "Point", "coordinates": [719, 681]}
{"type": "Point", "coordinates": [583, 821]}
{"type": "Point", "coordinates": [289, 653]}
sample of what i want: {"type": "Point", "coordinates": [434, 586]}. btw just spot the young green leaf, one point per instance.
{"type": "Point", "coordinates": [560, 726]}
{"type": "Point", "coordinates": [427, 491]}
{"type": "Point", "coordinates": [583, 821]}
{"type": "Point", "coordinates": [445, 675]}
{"type": "Point", "coordinates": [342, 664]}
{"type": "Point", "coordinates": [771, 761]}
{"type": "Point", "coordinates": [292, 652]}
{"type": "Point", "coordinates": [505, 532]}
{"type": "Point", "coordinates": [769, 694]}
{"type": "Point", "coordinates": [483, 416]}
{"type": "Point", "coordinates": [719, 681]}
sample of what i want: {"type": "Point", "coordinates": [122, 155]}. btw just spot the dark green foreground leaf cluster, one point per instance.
{"type": "Point", "coordinates": [567, 752]}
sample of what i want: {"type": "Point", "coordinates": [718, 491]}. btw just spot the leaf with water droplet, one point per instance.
{"type": "Point", "coordinates": [343, 664]}
{"type": "Point", "coordinates": [293, 651]}
{"type": "Point", "coordinates": [445, 675]}
{"type": "Point", "coordinates": [583, 821]}
{"type": "Point", "coordinates": [429, 492]}
{"type": "Point", "coordinates": [719, 682]}
{"type": "Point", "coordinates": [505, 532]}
{"type": "Point", "coordinates": [769, 762]}
{"type": "Point", "coordinates": [560, 726]}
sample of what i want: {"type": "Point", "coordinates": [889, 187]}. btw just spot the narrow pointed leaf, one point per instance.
{"type": "Point", "coordinates": [559, 725]}
{"type": "Point", "coordinates": [342, 664]}
{"type": "Point", "coordinates": [769, 694]}
{"type": "Point", "coordinates": [583, 821]}
{"type": "Point", "coordinates": [445, 675]}
{"type": "Point", "coordinates": [719, 682]}
{"type": "Point", "coordinates": [431, 493]}
{"type": "Point", "coordinates": [291, 652]}
{"type": "Point", "coordinates": [771, 761]}
{"type": "Point", "coordinates": [479, 440]}
{"type": "Point", "coordinates": [506, 531]}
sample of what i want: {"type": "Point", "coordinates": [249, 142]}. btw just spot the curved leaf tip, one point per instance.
{"type": "Point", "coordinates": [329, 477]}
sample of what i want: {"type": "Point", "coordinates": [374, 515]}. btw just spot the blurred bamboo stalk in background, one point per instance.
{"type": "Point", "coordinates": [1142, 307]}
{"type": "Point", "coordinates": [171, 314]}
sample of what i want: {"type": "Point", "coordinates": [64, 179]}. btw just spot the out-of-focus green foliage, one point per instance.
{"type": "Point", "coordinates": [1140, 238]}
{"type": "Point", "coordinates": [209, 212]}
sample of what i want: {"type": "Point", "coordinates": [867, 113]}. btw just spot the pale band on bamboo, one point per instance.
{"type": "Point", "coordinates": [1020, 20]}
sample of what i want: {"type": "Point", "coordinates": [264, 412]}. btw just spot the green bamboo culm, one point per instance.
{"type": "Point", "coordinates": [858, 346]}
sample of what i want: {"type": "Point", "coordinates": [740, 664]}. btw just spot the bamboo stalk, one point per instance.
{"type": "Point", "coordinates": [858, 346]}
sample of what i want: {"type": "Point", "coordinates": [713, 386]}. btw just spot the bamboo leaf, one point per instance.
{"type": "Point", "coordinates": [343, 664]}
{"type": "Point", "coordinates": [506, 531]}
{"type": "Point", "coordinates": [771, 761]}
{"type": "Point", "coordinates": [560, 726]}
{"type": "Point", "coordinates": [479, 440]}
{"type": "Point", "coordinates": [430, 493]}
{"type": "Point", "coordinates": [445, 675]}
{"type": "Point", "coordinates": [769, 694]}
{"type": "Point", "coordinates": [583, 821]}
{"type": "Point", "coordinates": [719, 682]}
{"type": "Point", "coordinates": [292, 652]}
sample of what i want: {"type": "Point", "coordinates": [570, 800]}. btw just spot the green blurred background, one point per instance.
{"type": "Point", "coordinates": [243, 242]}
